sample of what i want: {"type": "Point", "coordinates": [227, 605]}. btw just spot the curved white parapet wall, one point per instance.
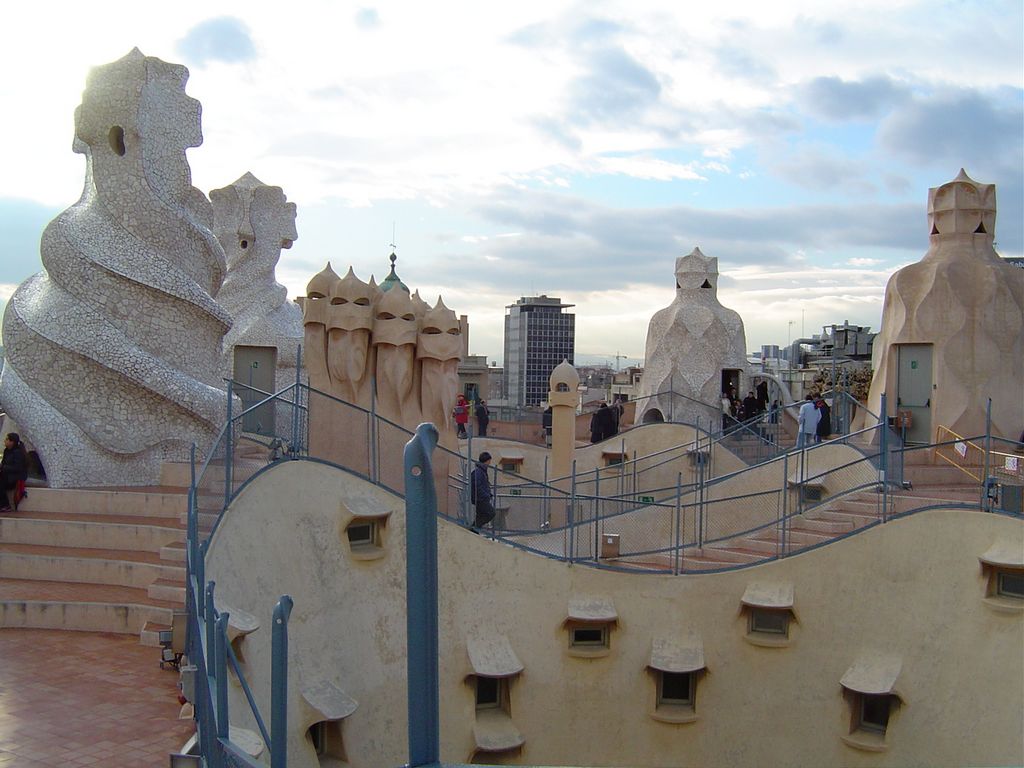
{"type": "Point", "coordinates": [113, 352]}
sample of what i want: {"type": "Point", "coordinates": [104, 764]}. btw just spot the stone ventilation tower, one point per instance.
{"type": "Point", "coordinates": [253, 222]}
{"type": "Point", "coordinates": [114, 351]}
{"type": "Point", "coordinates": [695, 347]}
{"type": "Point", "coordinates": [953, 324]}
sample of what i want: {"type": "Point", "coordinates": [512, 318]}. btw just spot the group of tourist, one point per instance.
{"type": "Point", "coordinates": [461, 413]}
{"type": "Point", "coordinates": [815, 421]}
{"type": "Point", "coordinates": [736, 411]}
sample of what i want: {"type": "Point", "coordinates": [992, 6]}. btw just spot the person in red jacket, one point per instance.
{"type": "Point", "coordinates": [461, 414]}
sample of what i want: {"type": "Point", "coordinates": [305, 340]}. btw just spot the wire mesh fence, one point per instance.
{"type": "Point", "coordinates": [673, 509]}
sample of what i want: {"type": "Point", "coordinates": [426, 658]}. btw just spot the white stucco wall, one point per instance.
{"type": "Point", "coordinates": [912, 587]}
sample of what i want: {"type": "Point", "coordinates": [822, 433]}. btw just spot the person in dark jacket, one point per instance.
{"type": "Point", "coordinates": [824, 428]}
{"type": "Point", "coordinates": [602, 423]}
{"type": "Point", "coordinates": [750, 406]}
{"type": "Point", "coordinates": [483, 418]}
{"type": "Point", "coordinates": [480, 492]}
{"type": "Point", "coordinates": [13, 467]}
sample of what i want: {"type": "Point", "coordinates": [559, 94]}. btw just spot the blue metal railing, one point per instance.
{"type": "Point", "coordinates": [696, 514]}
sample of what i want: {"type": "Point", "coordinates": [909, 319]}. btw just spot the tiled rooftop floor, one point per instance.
{"type": "Point", "coordinates": [85, 699]}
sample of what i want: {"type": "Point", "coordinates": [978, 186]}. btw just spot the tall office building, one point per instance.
{"type": "Point", "coordinates": [538, 336]}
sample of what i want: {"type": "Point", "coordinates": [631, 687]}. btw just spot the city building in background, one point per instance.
{"type": "Point", "coordinates": [539, 334]}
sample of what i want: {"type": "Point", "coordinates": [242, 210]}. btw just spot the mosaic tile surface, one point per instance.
{"type": "Point", "coordinates": [113, 352]}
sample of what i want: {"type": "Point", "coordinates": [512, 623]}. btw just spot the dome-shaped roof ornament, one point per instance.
{"type": "Point", "coordinates": [319, 287]}
{"type": "Point", "coordinates": [564, 378]}
{"type": "Point", "coordinates": [393, 279]}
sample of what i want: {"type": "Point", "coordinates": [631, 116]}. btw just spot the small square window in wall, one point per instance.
{"type": "Point", "coordinates": [365, 533]}
{"type": "Point", "coordinates": [589, 626]}
{"type": "Point", "coordinates": [869, 688]}
{"type": "Point", "coordinates": [1002, 567]}
{"type": "Point", "coordinates": [511, 462]}
{"type": "Point", "coordinates": [768, 609]}
{"type": "Point", "coordinates": [493, 693]}
{"type": "Point", "coordinates": [494, 667]}
{"type": "Point", "coordinates": [326, 706]}
{"type": "Point", "coordinates": [676, 664]}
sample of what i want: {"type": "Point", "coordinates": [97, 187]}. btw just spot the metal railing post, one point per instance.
{"type": "Point", "coordinates": [676, 566]}
{"type": "Point", "coordinates": [200, 569]}
{"type": "Point", "coordinates": [701, 467]}
{"type": "Point", "coordinates": [985, 504]}
{"type": "Point", "coordinates": [279, 683]}
{"type": "Point", "coordinates": [373, 429]}
{"type": "Point", "coordinates": [468, 511]}
{"type": "Point", "coordinates": [883, 459]}
{"type": "Point", "coordinates": [635, 489]}
{"type": "Point", "coordinates": [545, 503]}
{"type": "Point", "coordinates": [572, 512]}
{"type": "Point", "coordinates": [296, 398]}
{"type": "Point", "coordinates": [622, 477]}
{"type": "Point", "coordinates": [227, 446]}
{"type": "Point", "coordinates": [421, 598]}
{"type": "Point", "coordinates": [220, 656]}
{"type": "Point", "coordinates": [597, 513]}
{"type": "Point", "coordinates": [191, 522]}
{"type": "Point", "coordinates": [785, 504]}
{"type": "Point", "coordinates": [208, 614]}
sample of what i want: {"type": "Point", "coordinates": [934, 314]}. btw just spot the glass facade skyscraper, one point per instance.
{"type": "Point", "coordinates": [539, 335]}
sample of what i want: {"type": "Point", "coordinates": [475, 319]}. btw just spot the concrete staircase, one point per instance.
{"type": "Point", "coordinates": [102, 560]}
{"type": "Point", "coordinates": [108, 559]}
{"type": "Point", "coordinates": [930, 484]}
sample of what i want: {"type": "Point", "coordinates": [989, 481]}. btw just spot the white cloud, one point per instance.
{"type": "Point", "coordinates": [650, 168]}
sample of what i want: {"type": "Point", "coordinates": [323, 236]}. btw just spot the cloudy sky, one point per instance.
{"type": "Point", "coordinates": [568, 148]}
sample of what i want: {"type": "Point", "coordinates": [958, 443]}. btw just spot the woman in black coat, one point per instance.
{"type": "Point", "coordinates": [13, 467]}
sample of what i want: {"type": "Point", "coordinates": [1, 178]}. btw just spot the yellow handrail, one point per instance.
{"type": "Point", "coordinates": [960, 453]}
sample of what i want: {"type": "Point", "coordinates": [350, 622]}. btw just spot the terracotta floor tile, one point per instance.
{"type": "Point", "coordinates": [85, 699]}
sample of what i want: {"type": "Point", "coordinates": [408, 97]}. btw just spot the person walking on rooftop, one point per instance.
{"type": "Point", "coordinates": [461, 414]}
{"type": "Point", "coordinates": [824, 428]}
{"type": "Point", "coordinates": [808, 423]}
{"type": "Point", "coordinates": [13, 468]}
{"type": "Point", "coordinates": [480, 492]}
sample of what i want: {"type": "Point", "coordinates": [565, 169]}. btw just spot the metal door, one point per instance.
{"type": "Point", "coordinates": [254, 376]}
{"type": "Point", "coordinates": [914, 389]}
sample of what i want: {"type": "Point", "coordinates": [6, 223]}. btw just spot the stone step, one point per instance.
{"type": "Point", "coordinates": [850, 518]}
{"type": "Point", "coordinates": [155, 501]}
{"type": "Point", "coordinates": [804, 538]}
{"type": "Point", "coordinates": [940, 474]}
{"type": "Point", "coordinates": [89, 531]}
{"type": "Point", "coordinates": [175, 552]}
{"type": "Point", "coordinates": [150, 633]}
{"type": "Point", "coordinates": [168, 589]}
{"type": "Point", "coordinates": [766, 544]}
{"type": "Point", "coordinates": [85, 565]}
{"type": "Point", "coordinates": [814, 521]}
{"type": "Point", "coordinates": [81, 607]}
{"type": "Point", "coordinates": [730, 554]}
